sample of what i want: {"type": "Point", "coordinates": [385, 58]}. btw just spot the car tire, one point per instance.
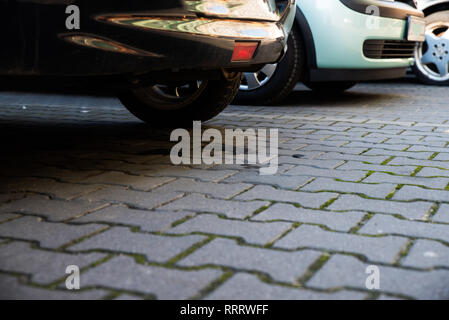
{"type": "Point", "coordinates": [330, 87]}
{"type": "Point", "coordinates": [428, 73]}
{"type": "Point", "coordinates": [276, 87]}
{"type": "Point", "coordinates": [155, 107]}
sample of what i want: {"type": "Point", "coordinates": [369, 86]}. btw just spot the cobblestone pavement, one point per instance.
{"type": "Point", "coordinates": [363, 180]}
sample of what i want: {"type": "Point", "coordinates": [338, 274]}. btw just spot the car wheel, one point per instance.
{"type": "Point", "coordinates": [331, 87]}
{"type": "Point", "coordinates": [432, 56]}
{"type": "Point", "coordinates": [274, 82]}
{"type": "Point", "coordinates": [180, 104]}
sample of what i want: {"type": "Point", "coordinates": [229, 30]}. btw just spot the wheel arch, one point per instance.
{"type": "Point", "coordinates": [307, 37]}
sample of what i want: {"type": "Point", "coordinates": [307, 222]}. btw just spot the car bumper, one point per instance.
{"type": "Point", "coordinates": [340, 33]}
{"type": "Point", "coordinates": [198, 35]}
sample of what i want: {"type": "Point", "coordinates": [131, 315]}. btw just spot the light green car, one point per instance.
{"type": "Point", "coordinates": [336, 43]}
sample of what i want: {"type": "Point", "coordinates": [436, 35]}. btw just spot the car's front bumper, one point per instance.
{"type": "Point", "coordinates": [339, 33]}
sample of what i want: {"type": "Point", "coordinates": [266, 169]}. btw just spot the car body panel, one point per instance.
{"type": "Point", "coordinates": [339, 33]}
{"type": "Point", "coordinates": [136, 37]}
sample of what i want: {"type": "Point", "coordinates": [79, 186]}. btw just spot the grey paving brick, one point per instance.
{"type": "Point", "coordinates": [415, 162]}
{"type": "Point", "coordinates": [442, 214]}
{"type": "Point", "coordinates": [217, 190]}
{"type": "Point", "coordinates": [427, 254]}
{"type": "Point", "coordinates": [7, 197]}
{"type": "Point", "coordinates": [442, 156]}
{"type": "Point", "coordinates": [12, 289]}
{"type": "Point", "coordinates": [52, 210]}
{"type": "Point", "coordinates": [246, 286]}
{"type": "Point", "coordinates": [56, 189]}
{"type": "Point", "coordinates": [187, 172]}
{"type": "Point", "coordinates": [316, 163]}
{"type": "Point", "coordinates": [354, 165]}
{"type": "Point", "coordinates": [251, 232]}
{"type": "Point", "coordinates": [200, 203]}
{"type": "Point", "coordinates": [408, 154]}
{"type": "Point", "coordinates": [410, 210]}
{"type": "Point", "coordinates": [4, 217]}
{"type": "Point", "coordinates": [386, 146]}
{"type": "Point", "coordinates": [122, 179]}
{"type": "Point", "coordinates": [382, 224]}
{"type": "Point", "coordinates": [371, 190]}
{"type": "Point", "coordinates": [284, 182]}
{"type": "Point", "coordinates": [418, 193]}
{"type": "Point", "coordinates": [340, 221]}
{"type": "Point", "coordinates": [48, 234]}
{"type": "Point", "coordinates": [124, 273]}
{"type": "Point", "coordinates": [379, 177]}
{"type": "Point", "coordinates": [155, 248]}
{"type": "Point", "coordinates": [139, 199]}
{"type": "Point", "coordinates": [313, 200]}
{"type": "Point", "coordinates": [280, 265]}
{"type": "Point", "coordinates": [353, 175]}
{"type": "Point", "coordinates": [145, 220]}
{"type": "Point", "coordinates": [347, 271]}
{"type": "Point", "coordinates": [44, 267]}
{"type": "Point", "coordinates": [433, 172]}
{"type": "Point", "coordinates": [347, 157]}
{"type": "Point", "coordinates": [382, 249]}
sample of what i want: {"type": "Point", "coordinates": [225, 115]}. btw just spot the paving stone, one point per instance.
{"type": "Point", "coordinates": [155, 248]}
{"type": "Point", "coordinates": [427, 254]}
{"type": "Point", "coordinates": [382, 224]}
{"type": "Point", "coordinates": [67, 191]}
{"type": "Point", "coordinates": [340, 221]}
{"type": "Point", "coordinates": [313, 200]}
{"type": "Point", "coordinates": [139, 199]}
{"type": "Point", "coordinates": [418, 193]}
{"type": "Point", "coordinates": [4, 217]}
{"type": "Point", "coordinates": [187, 172]}
{"type": "Point", "coordinates": [200, 203]}
{"type": "Point", "coordinates": [223, 252]}
{"type": "Point", "coordinates": [217, 190]}
{"type": "Point", "coordinates": [246, 286]}
{"type": "Point", "coordinates": [11, 289]}
{"type": "Point", "coordinates": [410, 210]}
{"type": "Point", "coordinates": [48, 234]}
{"type": "Point", "coordinates": [382, 249]}
{"type": "Point", "coordinates": [44, 267]}
{"type": "Point", "coordinates": [347, 271]}
{"type": "Point", "coordinates": [442, 214]}
{"type": "Point", "coordinates": [353, 165]}
{"type": "Point", "coordinates": [52, 210]}
{"type": "Point", "coordinates": [371, 190]}
{"type": "Point", "coordinates": [145, 220]}
{"type": "Point", "coordinates": [433, 172]}
{"type": "Point", "coordinates": [316, 163]}
{"type": "Point", "coordinates": [362, 158]}
{"type": "Point", "coordinates": [413, 155]}
{"type": "Point", "coordinates": [353, 175]}
{"type": "Point", "coordinates": [141, 183]}
{"type": "Point", "coordinates": [442, 157]}
{"type": "Point", "coordinates": [283, 182]}
{"type": "Point", "coordinates": [427, 163]}
{"type": "Point", "coordinates": [251, 232]}
{"type": "Point", "coordinates": [7, 197]}
{"type": "Point", "coordinates": [125, 274]}
{"type": "Point", "coordinates": [379, 177]}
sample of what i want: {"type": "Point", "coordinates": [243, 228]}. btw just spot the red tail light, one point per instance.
{"type": "Point", "coordinates": [244, 51]}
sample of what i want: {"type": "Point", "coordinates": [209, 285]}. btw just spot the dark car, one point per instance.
{"type": "Point", "coordinates": [170, 61]}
